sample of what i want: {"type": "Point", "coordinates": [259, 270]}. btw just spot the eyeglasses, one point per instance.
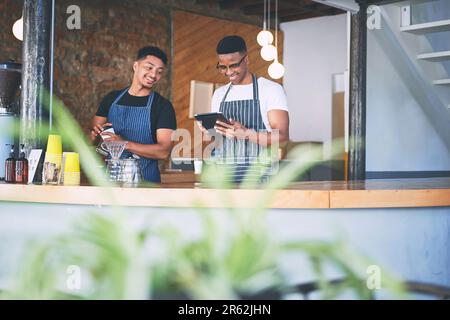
{"type": "Point", "coordinates": [233, 66]}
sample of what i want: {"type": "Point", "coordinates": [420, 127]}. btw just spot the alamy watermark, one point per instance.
{"type": "Point", "coordinates": [373, 17]}
{"type": "Point", "coordinates": [73, 280]}
{"type": "Point", "coordinates": [73, 22]}
{"type": "Point", "coordinates": [373, 281]}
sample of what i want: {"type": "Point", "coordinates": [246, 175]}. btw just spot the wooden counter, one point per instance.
{"type": "Point", "coordinates": [433, 192]}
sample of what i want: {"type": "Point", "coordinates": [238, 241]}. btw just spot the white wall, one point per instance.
{"type": "Point", "coordinates": [314, 50]}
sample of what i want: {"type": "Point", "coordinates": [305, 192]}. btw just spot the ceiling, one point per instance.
{"type": "Point", "coordinates": [288, 10]}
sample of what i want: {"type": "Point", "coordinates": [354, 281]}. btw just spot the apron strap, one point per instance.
{"type": "Point", "coordinates": [226, 93]}
{"type": "Point", "coordinates": [150, 99]}
{"type": "Point", "coordinates": [120, 95]}
{"type": "Point", "coordinates": [255, 88]}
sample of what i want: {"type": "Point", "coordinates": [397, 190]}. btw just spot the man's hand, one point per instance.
{"type": "Point", "coordinates": [235, 130]}
{"type": "Point", "coordinates": [108, 136]}
{"type": "Point", "coordinates": [97, 128]}
{"type": "Point", "coordinates": [202, 128]}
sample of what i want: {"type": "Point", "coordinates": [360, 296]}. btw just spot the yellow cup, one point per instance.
{"type": "Point", "coordinates": [71, 169]}
{"type": "Point", "coordinates": [72, 162]}
{"type": "Point", "coordinates": [71, 178]}
{"type": "Point", "coordinates": [54, 144]}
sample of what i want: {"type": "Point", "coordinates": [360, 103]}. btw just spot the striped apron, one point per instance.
{"type": "Point", "coordinates": [134, 124]}
{"type": "Point", "coordinates": [241, 158]}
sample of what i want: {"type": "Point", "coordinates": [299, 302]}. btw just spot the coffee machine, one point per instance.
{"type": "Point", "coordinates": [10, 80]}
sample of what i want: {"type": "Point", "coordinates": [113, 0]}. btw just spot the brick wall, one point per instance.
{"type": "Point", "coordinates": [98, 58]}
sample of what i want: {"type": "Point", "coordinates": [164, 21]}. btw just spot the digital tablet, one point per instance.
{"type": "Point", "coordinates": [209, 119]}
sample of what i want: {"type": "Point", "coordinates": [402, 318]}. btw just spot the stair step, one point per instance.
{"type": "Point", "coordinates": [410, 2]}
{"type": "Point", "coordinates": [435, 56]}
{"type": "Point", "coordinates": [442, 81]}
{"type": "Point", "coordinates": [428, 27]}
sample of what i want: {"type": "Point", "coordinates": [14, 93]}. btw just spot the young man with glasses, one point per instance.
{"type": "Point", "coordinates": [256, 108]}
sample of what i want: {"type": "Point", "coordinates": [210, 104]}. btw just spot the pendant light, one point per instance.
{"type": "Point", "coordinates": [276, 69]}
{"type": "Point", "coordinates": [268, 51]}
{"type": "Point", "coordinates": [17, 29]}
{"type": "Point", "coordinates": [264, 37]}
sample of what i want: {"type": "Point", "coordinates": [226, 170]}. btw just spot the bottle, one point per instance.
{"type": "Point", "coordinates": [10, 167]}
{"type": "Point", "coordinates": [22, 167]}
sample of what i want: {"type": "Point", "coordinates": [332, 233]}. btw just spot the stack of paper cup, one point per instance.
{"type": "Point", "coordinates": [52, 163]}
{"type": "Point", "coordinates": [72, 169]}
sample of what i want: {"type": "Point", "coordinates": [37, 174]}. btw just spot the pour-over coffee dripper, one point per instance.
{"type": "Point", "coordinates": [115, 148]}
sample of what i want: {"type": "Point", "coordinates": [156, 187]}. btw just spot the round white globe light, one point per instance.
{"type": "Point", "coordinates": [276, 70]}
{"type": "Point", "coordinates": [268, 52]}
{"type": "Point", "coordinates": [18, 29]}
{"type": "Point", "coordinates": [264, 38]}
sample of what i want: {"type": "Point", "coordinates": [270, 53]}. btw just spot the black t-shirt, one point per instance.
{"type": "Point", "coordinates": [162, 115]}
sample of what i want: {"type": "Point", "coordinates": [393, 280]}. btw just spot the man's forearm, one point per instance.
{"type": "Point", "coordinates": [153, 151]}
{"type": "Point", "coordinates": [266, 139]}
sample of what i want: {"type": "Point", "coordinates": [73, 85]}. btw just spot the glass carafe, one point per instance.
{"type": "Point", "coordinates": [131, 172]}
{"type": "Point", "coordinates": [125, 172]}
{"type": "Point", "coordinates": [114, 170]}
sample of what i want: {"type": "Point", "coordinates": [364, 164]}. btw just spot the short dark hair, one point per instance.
{"type": "Point", "coordinates": [231, 44]}
{"type": "Point", "coordinates": [152, 51]}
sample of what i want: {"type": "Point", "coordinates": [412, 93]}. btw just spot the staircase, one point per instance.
{"type": "Point", "coordinates": [420, 51]}
{"type": "Point", "coordinates": [439, 56]}
{"type": "Point", "coordinates": [424, 10]}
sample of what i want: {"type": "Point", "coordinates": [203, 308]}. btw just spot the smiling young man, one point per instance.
{"type": "Point", "coordinates": [139, 115]}
{"type": "Point", "coordinates": [256, 108]}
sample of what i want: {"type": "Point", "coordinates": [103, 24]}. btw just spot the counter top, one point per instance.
{"type": "Point", "coordinates": [326, 194]}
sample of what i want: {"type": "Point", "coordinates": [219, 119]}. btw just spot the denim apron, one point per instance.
{"type": "Point", "coordinates": [240, 156]}
{"type": "Point", "coordinates": [134, 124]}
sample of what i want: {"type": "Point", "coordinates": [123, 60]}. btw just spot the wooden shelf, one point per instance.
{"type": "Point", "coordinates": [429, 27]}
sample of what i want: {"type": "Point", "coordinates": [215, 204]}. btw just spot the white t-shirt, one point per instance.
{"type": "Point", "coordinates": [271, 97]}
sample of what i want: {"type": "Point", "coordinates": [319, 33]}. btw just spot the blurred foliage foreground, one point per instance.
{"type": "Point", "coordinates": [234, 257]}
